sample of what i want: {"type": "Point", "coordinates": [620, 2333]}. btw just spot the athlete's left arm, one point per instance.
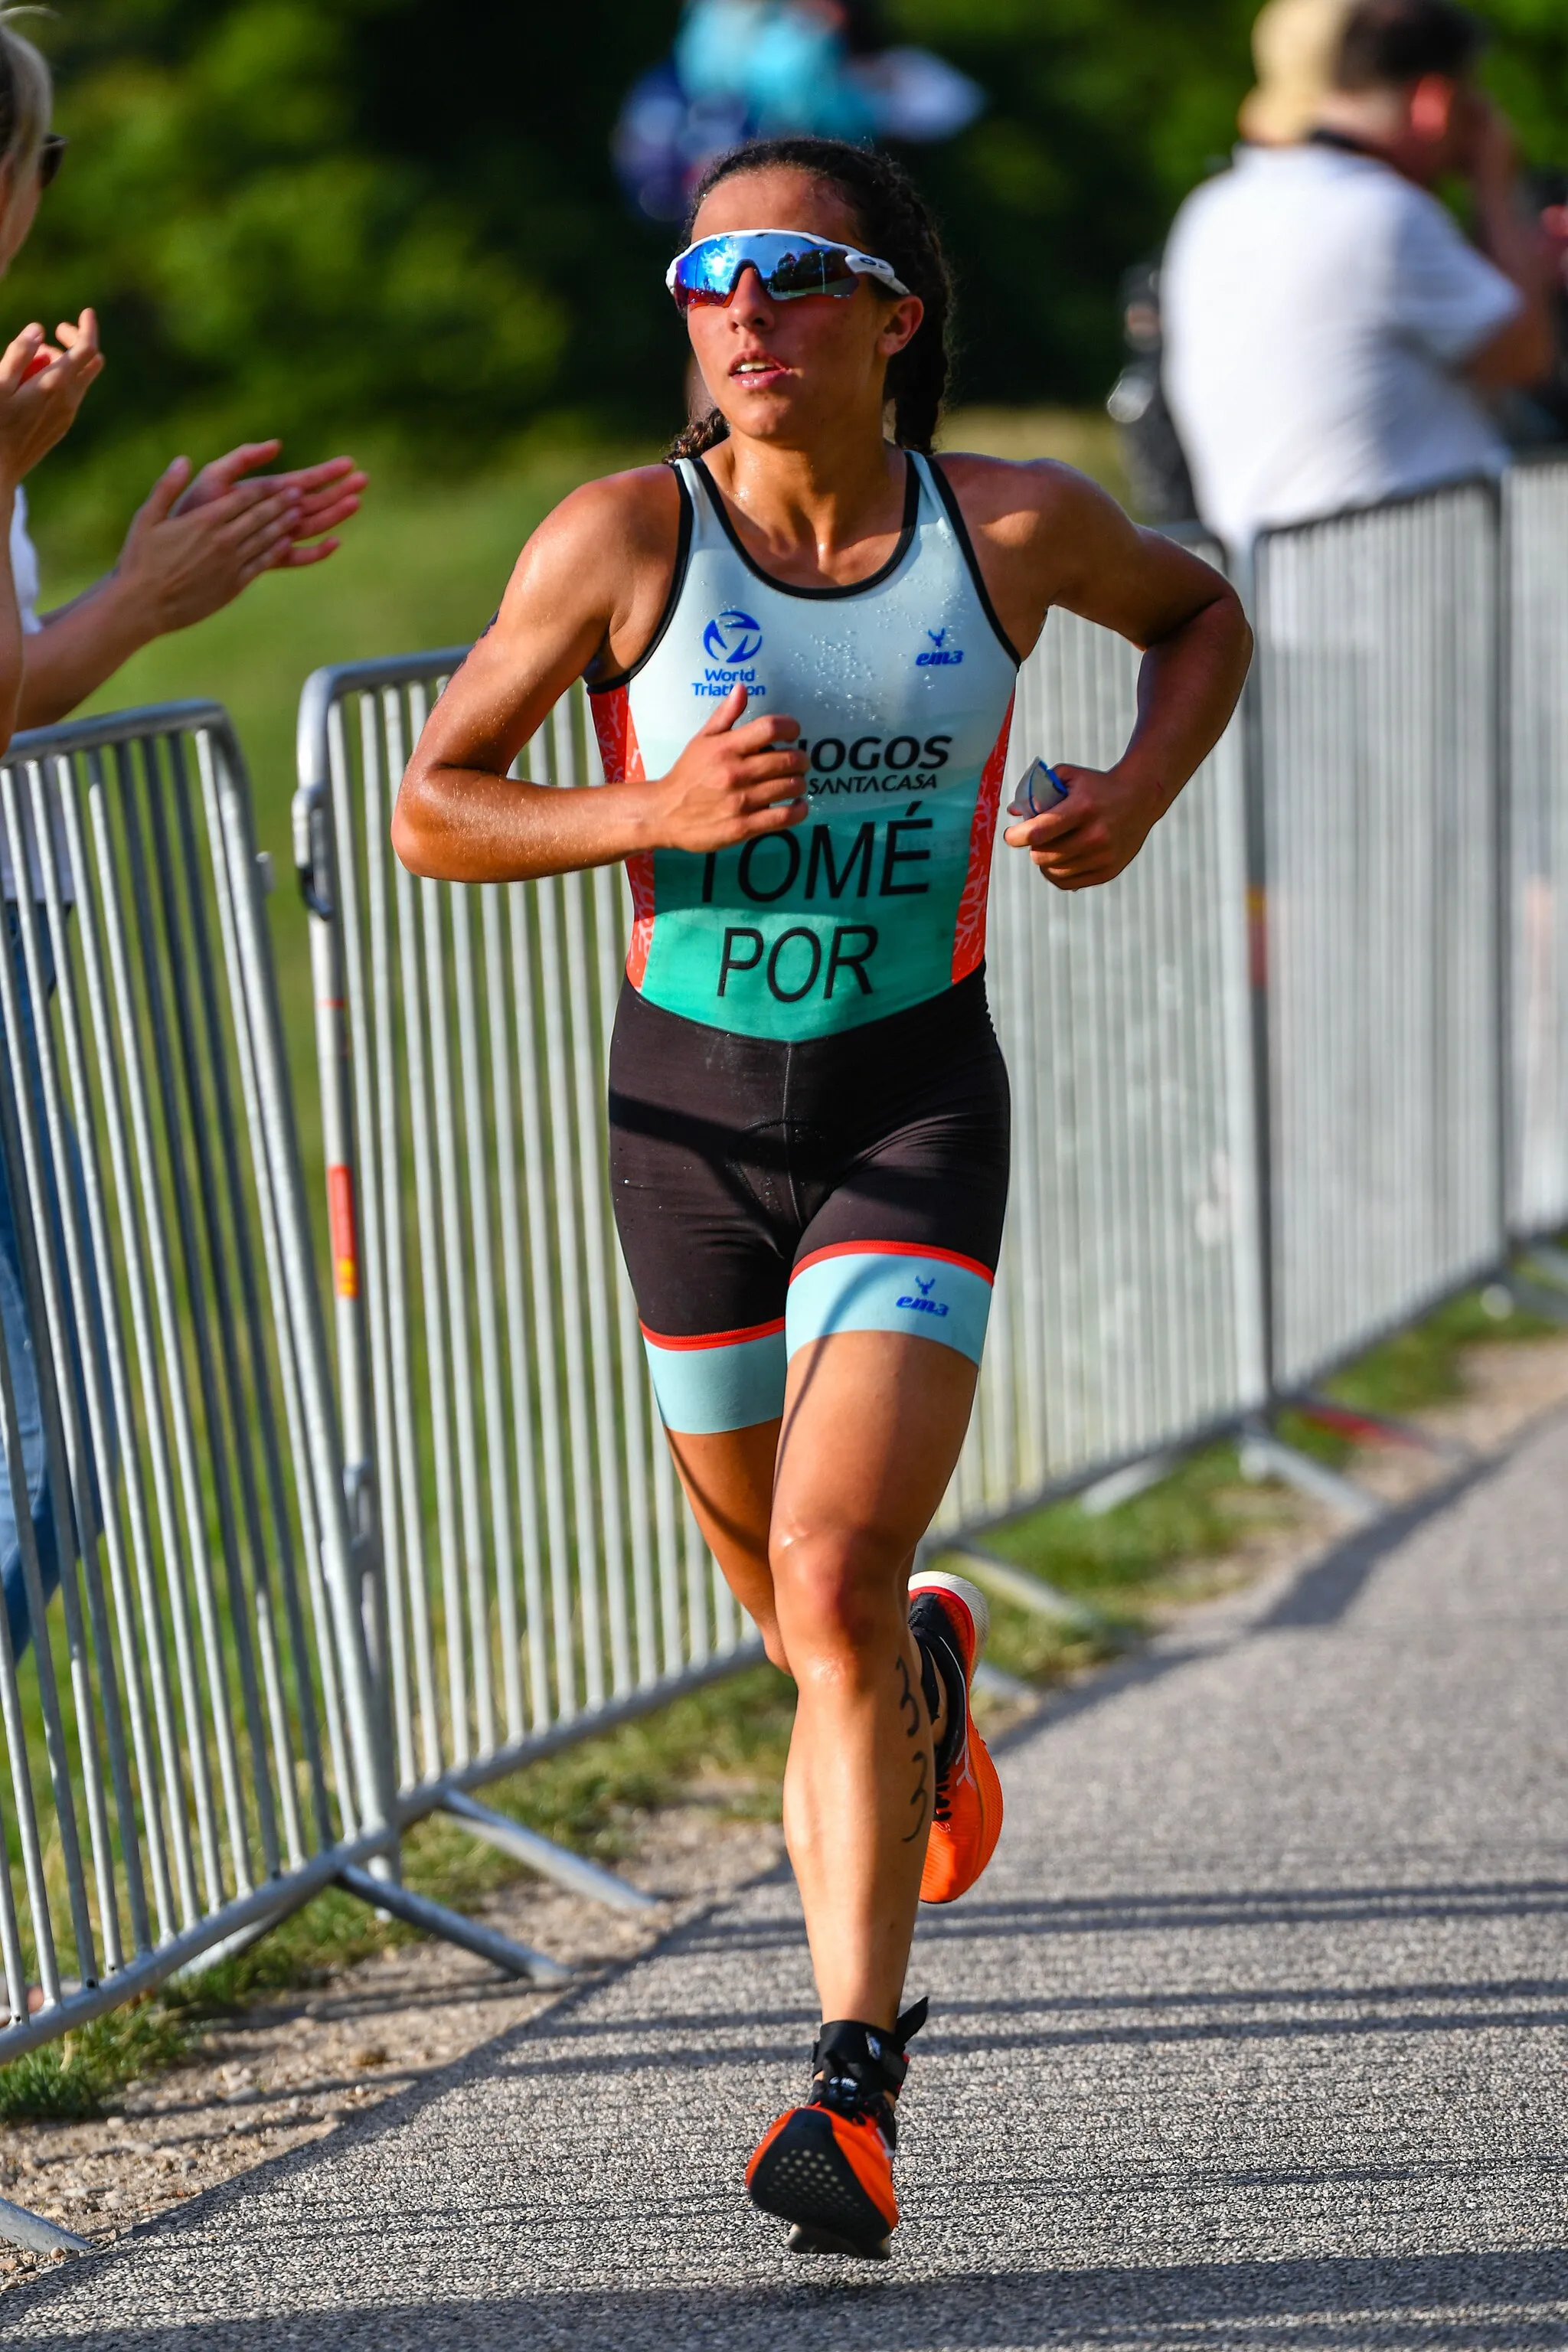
{"type": "Point", "coordinates": [1044, 535]}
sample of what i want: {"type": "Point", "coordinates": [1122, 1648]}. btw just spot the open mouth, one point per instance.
{"type": "Point", "coordinates": [758, 370]}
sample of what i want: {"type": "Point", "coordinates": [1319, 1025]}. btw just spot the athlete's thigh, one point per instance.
{"type": "Point", "coordinates": [872, 1427]}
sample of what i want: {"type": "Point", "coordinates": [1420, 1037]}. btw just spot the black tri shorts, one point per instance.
{"type": "Point", "coordinates": [769, 1193]}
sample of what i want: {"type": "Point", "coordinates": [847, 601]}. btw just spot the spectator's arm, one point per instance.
{"type": "Point", "coordinates": [1521, 351]}
{"type": "Point", "coordinates": [1521, 354]}
{"type": "Point", "coordinates": [192, 549]}
{"type": "Point", "coordinates": [10, 627]}
{"type": "Point", "coordinates": [78, 646]}
{"type": "Point", "coordinates": [1458, 305]}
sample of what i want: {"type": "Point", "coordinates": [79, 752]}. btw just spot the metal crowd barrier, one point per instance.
{"type": "Point", "coordinates": [1375, 771]}
{"type": "Point", "coordinates": [1127, 1311]}
{"type": "Point", "coordinates": [187, 1727]}
{"type": "Point", "coordinates": [543, 1575]}
{"type": "Point", "coordinates": [1535, 751]}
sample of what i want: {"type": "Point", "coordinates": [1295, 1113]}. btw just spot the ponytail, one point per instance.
{"type": "Point", "coordinates": [703, 432]}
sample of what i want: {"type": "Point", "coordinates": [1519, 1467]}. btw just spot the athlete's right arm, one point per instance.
{"type": "Point", "coordinates": [588, 588]}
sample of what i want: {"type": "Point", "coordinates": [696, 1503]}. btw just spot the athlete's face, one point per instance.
{"type": "Point", "coordinates": [779, 372]}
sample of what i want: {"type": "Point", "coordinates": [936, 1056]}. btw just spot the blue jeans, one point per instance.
{"type": "Point", "coordinates": [32, 1365]}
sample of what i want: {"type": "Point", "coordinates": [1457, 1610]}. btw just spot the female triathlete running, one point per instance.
{"type": "Point", "coordinates": [801, 640]}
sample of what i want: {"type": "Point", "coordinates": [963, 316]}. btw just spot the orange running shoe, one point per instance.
{"type": "Point", "coordinates": [827, 2167]}
{"type": "Point", "coordinates": [949, 1620]}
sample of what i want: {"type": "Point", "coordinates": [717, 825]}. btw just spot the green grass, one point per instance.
{"type": "Point", "coordinates": [72, 2079]}
{"type": "Point", "coordinates": [1417, 1367]}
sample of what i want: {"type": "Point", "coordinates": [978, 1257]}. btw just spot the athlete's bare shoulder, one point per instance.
{"type": "Point", "coordinates": [1029, 503]}
{"type": "Point", "coordinates": [640, 507]}
{"type": "Point", "coordinates": [608, 551]}
{"type": "Point", "coordinates": [1044, 534]}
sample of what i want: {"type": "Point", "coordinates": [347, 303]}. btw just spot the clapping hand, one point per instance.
{"type": "Point", "coordinates": [42, 386]}
{"type": "Point", "coordinates": [328, 494]}
{"type": "Point", "coordinates": [198, 542]}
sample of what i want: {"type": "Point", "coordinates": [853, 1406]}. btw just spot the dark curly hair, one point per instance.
{"type": "Point", "coordinates": [893, 222]}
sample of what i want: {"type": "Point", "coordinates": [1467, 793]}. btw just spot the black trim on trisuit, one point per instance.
{"type": "Point", "coordinates": [682, 557]}
{"type": "Point", "coordinates": [948, 498]}
{"type": "Point", "coordinates": [855, 587]}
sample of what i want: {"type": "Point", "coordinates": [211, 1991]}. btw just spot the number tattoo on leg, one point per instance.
{"type": "Point", "coordinates": [919, 1798]}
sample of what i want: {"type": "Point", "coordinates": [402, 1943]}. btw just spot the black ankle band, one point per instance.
{"type": "Point", "coordinates": [873, 2057]}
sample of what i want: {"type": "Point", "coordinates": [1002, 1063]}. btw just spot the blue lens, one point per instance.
{"type": "Point", "coordinates": [789, 267]}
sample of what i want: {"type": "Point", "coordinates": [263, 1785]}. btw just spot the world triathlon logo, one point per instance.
{"type": "Point", "coordinates": [731, 639]}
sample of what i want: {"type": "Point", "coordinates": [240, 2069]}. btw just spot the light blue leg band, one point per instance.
{"type": "Point", "coordinates": [861, 1286]}
{"type": "Point", "coordinates": [731, 1379]}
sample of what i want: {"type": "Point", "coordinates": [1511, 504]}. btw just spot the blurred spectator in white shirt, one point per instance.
{"type": "Point", "coordinates": [1329, 334]}
{"type": "Point", "coordinates": [1295, 44]}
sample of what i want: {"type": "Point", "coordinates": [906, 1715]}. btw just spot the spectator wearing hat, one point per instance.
{"type": "Point", "coordinates": [1294, 44]}
{"type": "Point", "coordinates": [1330, 336]}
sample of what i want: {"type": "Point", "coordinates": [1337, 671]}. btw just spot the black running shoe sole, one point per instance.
{"type": "Point", "coordinates": [805, 2179]}
{"type": "Point", "coordinates": [822, 2242]}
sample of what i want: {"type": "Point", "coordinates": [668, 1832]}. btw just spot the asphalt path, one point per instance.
{"type": "Point", "coordinates": [1254, 2035]}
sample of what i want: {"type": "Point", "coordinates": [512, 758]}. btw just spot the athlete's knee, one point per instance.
{"type": "Point", "coordinates": [838, 1593]}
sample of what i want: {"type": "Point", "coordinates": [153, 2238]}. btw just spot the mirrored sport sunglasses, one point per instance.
{"type": "Point", "coordinates": [50, 156]}
{"type": "Point", "coordinates": [790, 262]}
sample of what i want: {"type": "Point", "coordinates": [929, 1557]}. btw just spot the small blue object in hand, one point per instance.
{"type": "Point", "coordinates": [1033, 788]}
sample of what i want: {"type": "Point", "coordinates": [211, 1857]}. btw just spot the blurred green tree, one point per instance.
{"type": "Point", "coordinates": [398, 217]}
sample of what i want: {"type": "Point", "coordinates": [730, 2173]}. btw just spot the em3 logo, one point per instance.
{"type": "Point", "coordinates": [940, 655]}
{"type": "Point", "coordinates": [731, 639]}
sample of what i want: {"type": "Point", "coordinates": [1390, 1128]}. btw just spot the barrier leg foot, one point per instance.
{"type": "Point", "coordinates": [1119, 1486]}
{"type": "Point", "coordinates": [20, 2228]}
{"type": "Point", "coordinates": [1023, 1589]}
{"type": "Point", "coordinates": [436, 1920]}
{"type": "Point", "coordinates": [1264, 1456]}
{"type": "Point", "coordinates": [1348, 1421]}
{"type": "Point", "coordinates": [996, 1683]}
{"type": "Point", "coordinates": [1536, 1298]}
{"type": "Point", "coordinates": [1538, 1284]}
{"type": "Point", "coordinates": [544, 1855]}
